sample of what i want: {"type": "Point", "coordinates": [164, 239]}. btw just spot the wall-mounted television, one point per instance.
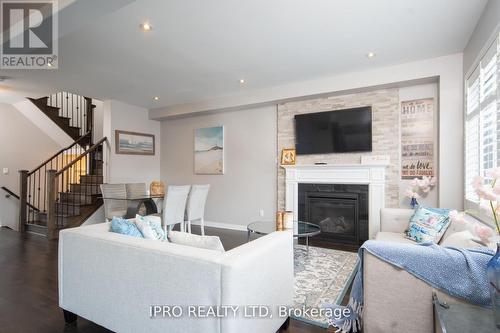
{"type": "Point", "coordinates": [339, 131]}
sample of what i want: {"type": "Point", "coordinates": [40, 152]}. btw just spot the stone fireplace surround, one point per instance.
{"type": "Point", "coordinates": [371, 175]}
{"type": "Point", "coordinates": [385, 135]}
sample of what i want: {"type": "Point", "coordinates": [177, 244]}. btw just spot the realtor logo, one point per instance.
{"type": "Point", "coordinates": [29, 34]}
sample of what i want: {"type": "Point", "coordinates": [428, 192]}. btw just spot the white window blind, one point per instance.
{"type": "Point", "coordinates": [482, 120]}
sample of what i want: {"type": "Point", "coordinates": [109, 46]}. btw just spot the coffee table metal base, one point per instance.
{"type": "Point", "coordinates": [301, 230]}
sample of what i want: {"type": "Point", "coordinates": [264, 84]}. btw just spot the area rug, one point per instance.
{"type": "Point", "coordinates": [323, 276]}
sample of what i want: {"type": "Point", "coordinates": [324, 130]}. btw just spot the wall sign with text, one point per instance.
{"type": "Point", "coordinates": [417, 138]}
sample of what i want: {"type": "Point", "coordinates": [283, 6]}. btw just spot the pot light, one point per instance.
{"type": "Point", "coordinates": [156, 98]}
{"type": "Point", "coordinates": [146, 26]}
{"type": "Point", "coordinates": [370, 55]}
{"type": "Point", "coordinates": [242, 81]}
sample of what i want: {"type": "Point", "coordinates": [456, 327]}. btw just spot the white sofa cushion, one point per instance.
{"type": "Point", "coordinates": [398, 237]}
{"type": "Point", "coordinates": [202, 242]}
{"type": "Point", "coordinates": [462, 239]}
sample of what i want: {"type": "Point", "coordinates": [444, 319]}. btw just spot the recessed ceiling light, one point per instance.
{"type": "Point", "coordinates": [370, 55]}
{"type": "Point", "coordinates": [156, 98]}
{"type": "Point", "coordinates": [146, 26]}
{"type": "Point", "coordinates": [242, 81]}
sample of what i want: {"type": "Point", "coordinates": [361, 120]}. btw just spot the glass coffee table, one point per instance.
{"type": "Point", "coordinates": [300, 229]}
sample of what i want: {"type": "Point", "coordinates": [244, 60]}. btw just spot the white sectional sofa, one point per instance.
{"type": "Point", "coordinates": [113, 280]}
{"type": "Point", "coordinates": [395, 300]}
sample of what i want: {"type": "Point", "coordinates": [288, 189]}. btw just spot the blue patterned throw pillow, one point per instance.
{"type": "Point", "coordinates": [150, 228]}
{"type": "Point", "coordinates": [428, 224]}
{"type": "Point", "coordinates": [124, 227]}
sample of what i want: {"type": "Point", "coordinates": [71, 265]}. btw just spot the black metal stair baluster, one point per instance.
{"type": "Point", "coordinates": [45, 187]}
{"type": "Point", "coordinates": [72, 110]}
{"type": "Point", "coordinates": [38, 192]}
{"type": "Point", "coordinates": [33, 195]}
{"type": "Point", "coordinates": [29, 197]}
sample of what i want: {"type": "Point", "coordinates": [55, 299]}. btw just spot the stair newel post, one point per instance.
{"type": "Point", "coordinates": [51, 204]}
{"type": "Point", "coordinates": [90, 119]}
{"type": "Point", "coordinates": [23, 195]}
{"type": "Point", "coordinates": [90, 128]}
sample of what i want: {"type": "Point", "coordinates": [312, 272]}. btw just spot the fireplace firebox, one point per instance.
{"type": "Point", "coordinates": [341, 211]}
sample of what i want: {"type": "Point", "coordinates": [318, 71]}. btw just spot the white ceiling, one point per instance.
{"type": "Point", "coordinates": [199, 49]}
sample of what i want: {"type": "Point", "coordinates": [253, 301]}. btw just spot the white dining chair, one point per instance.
{"type": "Point", "coordinates": [175, 206]}
{"type": "Point", "coordinates": [135, 189]}
{"type": "Point", "coordinates": [195, 209]}
{"type": "Point", "coordinates": [114, 207]}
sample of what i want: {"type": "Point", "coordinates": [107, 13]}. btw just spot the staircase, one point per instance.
{"type": "Point", "coordinates": [63, 191]}
{"type": "Point", "coordinates": [72, 113]}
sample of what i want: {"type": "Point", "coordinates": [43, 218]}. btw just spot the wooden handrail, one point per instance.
{"type": "Point", "coordinates": [59, 152]}
{"type": "Point", "coordinates": [85, 153]}
{"type": "Point", "coordinates": [17, 197]}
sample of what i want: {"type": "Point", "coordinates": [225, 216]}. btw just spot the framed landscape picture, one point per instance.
{"type": "Point", "coordinates": [132, 143]}
{"type": "Point", "coordinates": [209, 151]}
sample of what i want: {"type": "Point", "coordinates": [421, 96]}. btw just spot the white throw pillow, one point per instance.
{"type": "Point", "coordinates": [462, 239]}
{"type": "Point", "coordinates": [150, 228]}
{"type": "Point", "coordinates": [202, 242]}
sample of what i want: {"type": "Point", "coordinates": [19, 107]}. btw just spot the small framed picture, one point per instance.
{"type": "Point", "coordinates": [288, 156]}
{"type": "Point", "coordinates": [132, 143]}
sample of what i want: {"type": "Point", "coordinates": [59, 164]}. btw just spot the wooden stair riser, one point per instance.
{"type": "Point", "coordinates": [36, 229]}
{"type": "Point", "coordinates": [76, 198]}
{"type": "Point", "coordinates": [85, 188]}
{"type": "Point", "coordinates": [98, 172]}
{"type": "Point", "coordinates": [61, 219]}
{"type": "Point", "coordinates": [40, 217]}
{"type": "Point", "coordinates": [67, 209]}
{"type": "Point", "coordinates": [91, 179]}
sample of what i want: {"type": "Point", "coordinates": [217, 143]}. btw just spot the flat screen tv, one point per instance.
{"type": "Point", "coordinates": [339, 131]}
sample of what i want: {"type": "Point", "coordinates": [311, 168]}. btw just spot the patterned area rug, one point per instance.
{"type": "Point", "coordinates": [321, 277]}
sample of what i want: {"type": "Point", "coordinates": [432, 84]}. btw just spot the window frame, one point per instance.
{"type": "Point", "coordinates": [471, 207]}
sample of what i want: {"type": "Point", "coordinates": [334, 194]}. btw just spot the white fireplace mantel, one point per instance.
{"type": "Point", "coordinates": [372, 175]}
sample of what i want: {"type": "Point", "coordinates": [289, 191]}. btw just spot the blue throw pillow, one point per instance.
{"type": "Point", "coordinates": [428, 224]}
{"type": "Point", "coordinates": [125, 227]}
{"type": "Point", "coordinates": [149, 227]}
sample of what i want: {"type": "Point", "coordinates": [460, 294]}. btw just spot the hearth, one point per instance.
{"type": "Point", "coordinates": [341, 210]}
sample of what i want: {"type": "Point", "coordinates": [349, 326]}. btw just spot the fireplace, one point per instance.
{"type": "Point", "coordinates": [341, 211]}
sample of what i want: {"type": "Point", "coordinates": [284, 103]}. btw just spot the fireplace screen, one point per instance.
{"type": "Point", "coordinates": [338, 216]}
{"type": "Point", "coordinates": [340, 210]}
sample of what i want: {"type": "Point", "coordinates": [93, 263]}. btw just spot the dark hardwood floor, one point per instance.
{"type": "Point", "coordinates": [28, 285]}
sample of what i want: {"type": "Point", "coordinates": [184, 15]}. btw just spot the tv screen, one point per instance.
{"type": "Point", "coordinates": [339, 131]}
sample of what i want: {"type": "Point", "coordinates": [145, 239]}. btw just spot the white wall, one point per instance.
{"type": "Point", "coordinates": [488, 24]}
{"type": "Point", "coordinates": [129, 168]}
{"type": "Point", "coordinates": [98, 129]}
{"type": "Point", "coordinates": [250, 180]}
{"type": "Point", "coordinates": [419, 92]}
{"type": "Point", "coordinates": [43, 122]}
{"type": "Point", "coordinates": [23, 146]}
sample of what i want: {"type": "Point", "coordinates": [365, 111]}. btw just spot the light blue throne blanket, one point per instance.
{"type": "Point", "coordinates": [455, 271]}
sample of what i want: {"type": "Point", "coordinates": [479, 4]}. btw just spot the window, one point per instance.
{"type": "Point", "coordinates": [482, 120]}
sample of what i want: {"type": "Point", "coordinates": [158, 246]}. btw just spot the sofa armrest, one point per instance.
{"type": "Point", "coordinates": [395, 219]}
{"type": "Point", "coordinates": [394, 300]}
{"type": "Point", "coordinates": [259, 272]}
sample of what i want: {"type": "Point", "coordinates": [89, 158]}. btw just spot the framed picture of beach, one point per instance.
{"type": "Point", "coordinates": [133, 143]}
{"type": "Point", "coordinates": [209, 151]}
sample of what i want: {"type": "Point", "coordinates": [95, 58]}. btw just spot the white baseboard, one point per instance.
{"type": "Point", "coordinates": [220, 225]}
